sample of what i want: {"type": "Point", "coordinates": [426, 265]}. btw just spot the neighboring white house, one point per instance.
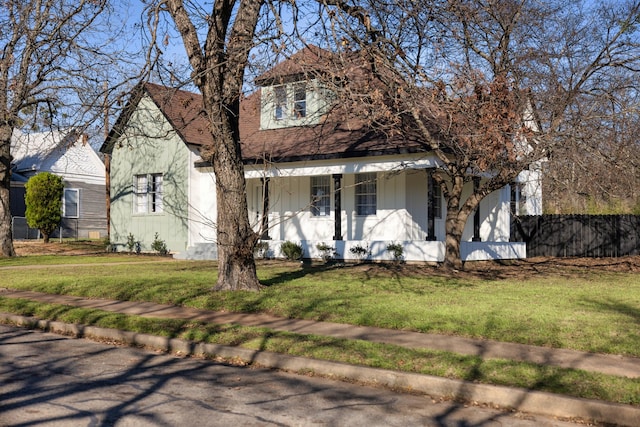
{"type": "Point", "coordinates": [311, 178]}
{"type": "Point", "coordinates": [68, 155]}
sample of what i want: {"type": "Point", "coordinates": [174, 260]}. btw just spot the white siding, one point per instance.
{"type": "Point", "coordinates": [202, 203]}
{"type": "Point", "coordinates": [401, 213]}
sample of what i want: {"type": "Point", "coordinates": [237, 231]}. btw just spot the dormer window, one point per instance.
{"type": "Point", "coordinates": [300, 100]}
{"type": "Point", "coordinates": [292, 104]}
{"type": "Point", "coordinates": [280, 102]}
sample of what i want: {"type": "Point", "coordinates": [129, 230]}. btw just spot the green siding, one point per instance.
{"type": "Point", "coordinates": [149, 146]}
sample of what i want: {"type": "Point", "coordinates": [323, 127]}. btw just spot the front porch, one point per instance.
{"type": "Point", "coordinates": [365, 203]}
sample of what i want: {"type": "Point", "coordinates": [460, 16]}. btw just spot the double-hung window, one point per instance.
{"type": "Point", "coordinates": [71, 203]}
{"type": "Point", "coordinates": [320, 195]}
{"type": "Point", "coordinates": [518, 199]}
{"type": "Point", "coordinates": [300, 100]}
{"type": "Point", "coordinates": [140, 191]}
{"type": "Point", "coordinates": [437, 201]}
{"type": "Point", "coordinates": [148, 193]}
{"type": "Point", "coordinates": [155, 193]}
{"type": "Point", "coordinates": [280, 94]}
{"type": "Point", "coordinates": [366, 193]}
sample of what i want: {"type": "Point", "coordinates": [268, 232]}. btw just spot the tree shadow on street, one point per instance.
{"type": "Point", "coordinates": [48, 379]}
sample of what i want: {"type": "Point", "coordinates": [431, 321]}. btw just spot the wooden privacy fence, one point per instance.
{"type": "Point", "coordinates": [578, 235]}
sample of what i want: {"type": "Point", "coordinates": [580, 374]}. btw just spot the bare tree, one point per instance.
{"type": "Point", "coordinates": [55, 55]}
{"type": "Point", "coordinates": [218, 70]}
{"type": "Point", "coordinates": [492, 87]}
{"type": "Point", "coordinates": [595, 171]}
{"type": "Point", "coordinates": [488, 86]}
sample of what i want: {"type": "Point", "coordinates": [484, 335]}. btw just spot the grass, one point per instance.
{"type": "Point", "coordinates": [445, 364]}
{"type": "Point", "coordinates": [577, 308]}
{"type": "Point", "coordinates": [596, 312]}
{"type": "Point", "coordinates": [49, 260]}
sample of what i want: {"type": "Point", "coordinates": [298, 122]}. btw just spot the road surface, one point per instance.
{"type": "Point", "coordinates": [51, 380]}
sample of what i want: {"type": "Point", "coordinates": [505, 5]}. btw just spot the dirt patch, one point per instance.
{"type": "Point", "coordinates": [508, 269]}
{"type": "Point", "coordinates": [569, 267]}
{"type": "Point", "coordinates": [76, 247]}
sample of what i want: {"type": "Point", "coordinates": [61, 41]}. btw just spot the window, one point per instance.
{"type": "Point", "coordinates": [300, 100]}
{"type": "Point", "coordinates": [140, 191]}
{"type": "Point", "coordinates": [155, 193]}
{"type": "Point", "coordinates": [366, 193]}
{"type": "Point", "coordinates": [70, 205]}
{"type": "Point", "coordinates": [148, 193]}
{"type": "Point", "coordinates": [280, 102]}
{"type": "Point", "coordinates": [437, 200]}
{"type": "Point", "coordinates": [320, 196]}
{"type": "Point", "coordinates": [518, 199]}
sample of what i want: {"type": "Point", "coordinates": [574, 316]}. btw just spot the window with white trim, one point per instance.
{"type": "Point", "coordinates": [140, 192]}
{"type": "Point", "coordinates": [71, 203]}
{"type": "Point", "coordinates": [437, 200]}
{"type": "Point", "coordinates": [300, 100]}
{"type": "Point", "coordinates": [280, 93]}
{"type": "Point", "coordinates": [518, 199]}
{"type": "Point", "coordinates": [320, 195]}
{"type": "Point", "coordinates": [148, 193]}
{"type": "Point", "coordinates": [366, 193]}
{"type": "Point", "coordinates": [155, 193]}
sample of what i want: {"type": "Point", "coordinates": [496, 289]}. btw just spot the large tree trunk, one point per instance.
{"type": "Point", "coordinates": [6, 237]}
{"type": "Point", "coordinates": [454, 228]}
{"type": "Point", "coordinates": [236, 238]}
{"type": "Point", "coordinates": [457, 216]}
{"type": "Point", "coordinates": [218, 70]}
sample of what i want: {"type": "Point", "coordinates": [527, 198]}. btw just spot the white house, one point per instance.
{"type": "Point", "coordinates": [311, 178]}
{"type": "Point", "coordinates": [68, 155]}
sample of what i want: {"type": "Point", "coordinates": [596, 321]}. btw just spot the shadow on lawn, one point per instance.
{"type": "Point", "coordinates": [614, 306]}
{"type": "Point", "coordinates": [302, 271]}
{"type": "Point", "coordinates": [369, 271]}
{"type": "Point", "coordinates": [546, 379]}
{"type": "Point", "coordinates": [629, 317]}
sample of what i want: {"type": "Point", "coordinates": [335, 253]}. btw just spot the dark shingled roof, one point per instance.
{"type": "Point", "coordinates": [336, 135]}
{"type": "Point", "coordinates": [184, 111]}
{"type": "Point", "coordinates": [302, 64]}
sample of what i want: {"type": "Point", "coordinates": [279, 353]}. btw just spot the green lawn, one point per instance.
{"type": "Point", "coordinates": [577, 308]}
{"type": "Point", "coordinates": [586, 310]}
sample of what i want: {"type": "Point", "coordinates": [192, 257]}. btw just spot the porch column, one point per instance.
{"type": "Point", "coordinates": [337, 205]}
{"type": "Point", "coordinates": [265, 209]}
{"type": "Point", "coordinates": [476, 215]}
{"type": "Point", "coordinates": [431, 203]}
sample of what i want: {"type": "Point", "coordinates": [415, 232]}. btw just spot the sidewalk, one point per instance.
{"type": "Point", "coordinates": [602, 363]}
{"type": "Point", "coordinates": [543, 403]}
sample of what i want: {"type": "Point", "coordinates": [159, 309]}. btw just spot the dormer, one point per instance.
{"type": "Point", "coordinates": [300, 103]}
{"type": "Point", "coordinates": [291, 92]}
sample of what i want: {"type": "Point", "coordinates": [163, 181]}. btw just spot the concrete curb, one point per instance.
{"type": "Point", "coordinates": [534, 402]}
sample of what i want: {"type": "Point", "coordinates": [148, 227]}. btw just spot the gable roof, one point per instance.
{"type": "Point", "coordinates": [66, 153]}
{"type": "Point", "coordinates": [182, 109]}
{"type": "Point", "coordinates": [29, 150]}
{"type": "Point", "coordinates": [337, 135]}
{"type": "Point", "coordinates": [309, 61]}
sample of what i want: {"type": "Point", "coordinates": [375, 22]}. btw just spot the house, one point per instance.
{"type": "Point", "coordinates": [68, 155]}
{"type": "Point", "coordinates": [312, 175]}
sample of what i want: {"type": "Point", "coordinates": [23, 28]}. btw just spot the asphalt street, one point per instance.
{"type": "Point", "coordinates": [52, 380]}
